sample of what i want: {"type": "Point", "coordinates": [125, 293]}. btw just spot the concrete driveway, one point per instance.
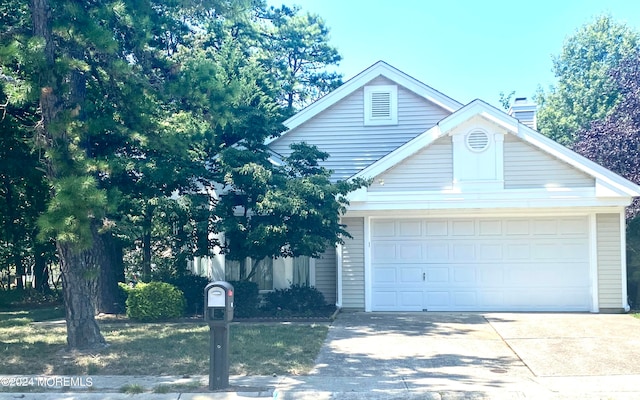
{"type": "Point", "coordinates": [522, 354]}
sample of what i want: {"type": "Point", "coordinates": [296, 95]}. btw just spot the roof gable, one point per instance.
{"type": "Point", "coordinates": [509, 125]}
{"type": "Point", "coordinates": [378, 69]}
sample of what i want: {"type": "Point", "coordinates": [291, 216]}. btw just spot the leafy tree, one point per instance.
{"type": "Point", "coordinates": [134, 102]}
{"type": "Point", "coordinates": [271, 211]}
{"type": "Point", "coordinates": [24, 191]}
{"type": "Point", "coordinates": [585, 90]}
{"type": "Point", "coordinates": [613, 142]}
{"type": "Point", "coordinates": [297, 53]}
{"type": "Point", "coordinates": [505, 99]}
{"type": "Point", "coordinates": [96, 71]}
{"type": "Point", "coordinates": [23, 196]}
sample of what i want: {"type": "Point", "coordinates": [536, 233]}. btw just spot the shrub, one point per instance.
{"type": "Point", "coordinates": [246, 298]}
{"type": "Point", "coordinates": [28, 298]}
{"type": "Point", "coordinates": [295, 298]}
{"type": "Point", "coordinates": [155, 301]}
{"type": "Point", "coordinates": [193, 288]}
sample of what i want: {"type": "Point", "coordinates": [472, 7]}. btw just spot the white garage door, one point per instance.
{"type": "Point", "coordinates": [480, 264]}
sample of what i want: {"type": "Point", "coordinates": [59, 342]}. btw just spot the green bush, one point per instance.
{"type": "Point", "coordinates": [295, 298]}
{"type": "Point", "coordinates": [246, 298]}
{"type": "Point", "coordinates": [155, 301]}
{"type": "Point", "coordinates": [28, 298]}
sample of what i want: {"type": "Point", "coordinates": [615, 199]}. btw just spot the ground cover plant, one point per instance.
{"type": "Point", "coordinates": [31, 345]}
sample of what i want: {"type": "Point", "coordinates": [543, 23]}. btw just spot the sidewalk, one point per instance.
{"type": "Point", "coordinates": [321, 388]}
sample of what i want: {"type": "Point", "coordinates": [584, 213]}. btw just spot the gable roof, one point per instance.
{"type": "Point", "coordinates": [380, 68]}
{"type": "Point", "coordinates": [511, 124]}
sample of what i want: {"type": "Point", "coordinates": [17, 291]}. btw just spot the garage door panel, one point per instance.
{"type": "Point", "coordinates": [491, 299]}
{"type": "Point", "coordinates": [573, 251]}
{"type": "Point", "coordinates": [385, 275]}
{"type": "Point", "coordinates": [437, 228]}
{"type": "Point", "coordinates": [437, 275]}
{"type": "Point", "coordinates": [385, 299]}
{"type": "Point", "coordinates": [384, 251]}
{"type": "Point", "coordinates": [463, 251]}
{"type": "Point", "coordinates": [436, 252]}
{"type": "Point", "coordinates": [517, 227]}
{"type": "Point", "coordinates": [491, 275]}
{"type": "Point", "coordinates": [465, 299]}
{"type": "Point", "coordinates": [411, 300]}
{"type": "Point", "coordinates": [463, 228]}
{"type": "Point", "coordinates": [573, 227]}
{"type": "Point", "coordinates": [408, 229]}
{"type": "Point", "coordinates": [490, 228]}
{"type": "Point", "coordinates": [517, 251]}
{"type": "Point", "coordinates": [383, 229]}
{"type": "Point", "coordinates": [558, 274]}
{"type": "Point", "coordinates": [410, 251]}
{"type": "Point", "coordinates": [435, 299]}
{"type": "Point", "coordinates": [410, 275]}
{"type": "Point", "coordinates": [545, 227]}
{"type": "Point", "coordinates": [493, 264]}
{"type": "Point", "coordinates": [490, 251]}
{"type": "Point", "coordinates": [464, 276]}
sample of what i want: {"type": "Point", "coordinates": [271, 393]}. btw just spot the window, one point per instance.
{"type": "Point", "coordinates": [381, 105]}
{"type": "Point", "coordinates": [301, 271]}
{"type": "Point", "coordinates": [263, 276]}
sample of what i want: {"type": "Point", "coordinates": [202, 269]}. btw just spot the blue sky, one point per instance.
{"type": "Point", "coordinates": [465, 49]}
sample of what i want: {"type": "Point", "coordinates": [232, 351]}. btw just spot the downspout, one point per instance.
{"type": "Point", "coordinates": [339, 276]}
{"type": "Point", "coordinates": [623, 260]}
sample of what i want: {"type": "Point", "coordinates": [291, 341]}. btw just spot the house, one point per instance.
{"type": "Point", "coordinates": [470, 209]}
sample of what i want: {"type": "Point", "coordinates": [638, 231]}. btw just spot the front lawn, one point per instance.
{"type": "Point", "coordinates": [28, 347]}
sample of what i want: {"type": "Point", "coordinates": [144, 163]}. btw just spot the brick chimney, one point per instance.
{"type": "Point", "coordinates": [524, 111]}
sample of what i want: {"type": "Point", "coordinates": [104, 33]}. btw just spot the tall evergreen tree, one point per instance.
{"type": "Point", "coordinates": [98, 69]}
{"type": "Point", "coordinates": [297, 52]}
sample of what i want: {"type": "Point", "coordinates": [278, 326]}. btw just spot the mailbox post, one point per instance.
{"type": "Point", "coordinates": [218, 299]}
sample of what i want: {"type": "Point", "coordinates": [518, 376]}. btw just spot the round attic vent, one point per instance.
{"type": "Point", "coordinates": [477, 140]}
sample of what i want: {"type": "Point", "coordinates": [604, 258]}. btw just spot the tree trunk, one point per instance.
{"type": "Point", "coordinates": [111, 272]}
{"type": "Point", "coordinates": [146, 242]}
{"type": "Point", "coordinates": [17, 260]}
{"type": "Point", "coordinates": [80, 271]}
{"type": "Point", "coordinates": [80, 268]}
{"type": "Point", "coordinates": [13, 235]}
{"type": "Point", "coordinates": [40, 270]}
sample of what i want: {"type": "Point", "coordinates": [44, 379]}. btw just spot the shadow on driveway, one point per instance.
{"type": "Point", "coordinates": [419, 348]}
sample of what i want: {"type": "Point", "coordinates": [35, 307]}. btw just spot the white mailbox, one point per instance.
{"type": "Point", "coordinates": [216, 297]}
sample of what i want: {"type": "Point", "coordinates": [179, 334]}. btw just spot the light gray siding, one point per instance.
{"type": "Point", "coordinates": [429, 169]}
{"type": "Point", "coordinates": [526, 167]}
{"type": "Point", "coordinates": [352, 146]}
{"type": "Point", "coordinates": [326, 275]}
{"type": "Point", "coordinates": [353, 265]}
{"type": "Point", "coordinates": [609, 261]}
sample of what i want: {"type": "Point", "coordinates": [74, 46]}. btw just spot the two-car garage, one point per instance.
{"type": "Point", "coordinates": [480, 264]}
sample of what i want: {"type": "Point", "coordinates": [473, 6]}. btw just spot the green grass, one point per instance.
{"type": "Point", "coordinates": [132, 388]}
{"type": "Point", "coordinates": [155, 349]}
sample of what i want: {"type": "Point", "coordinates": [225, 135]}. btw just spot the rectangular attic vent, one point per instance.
{"type": "Point", "coordinates": [381, 105]}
